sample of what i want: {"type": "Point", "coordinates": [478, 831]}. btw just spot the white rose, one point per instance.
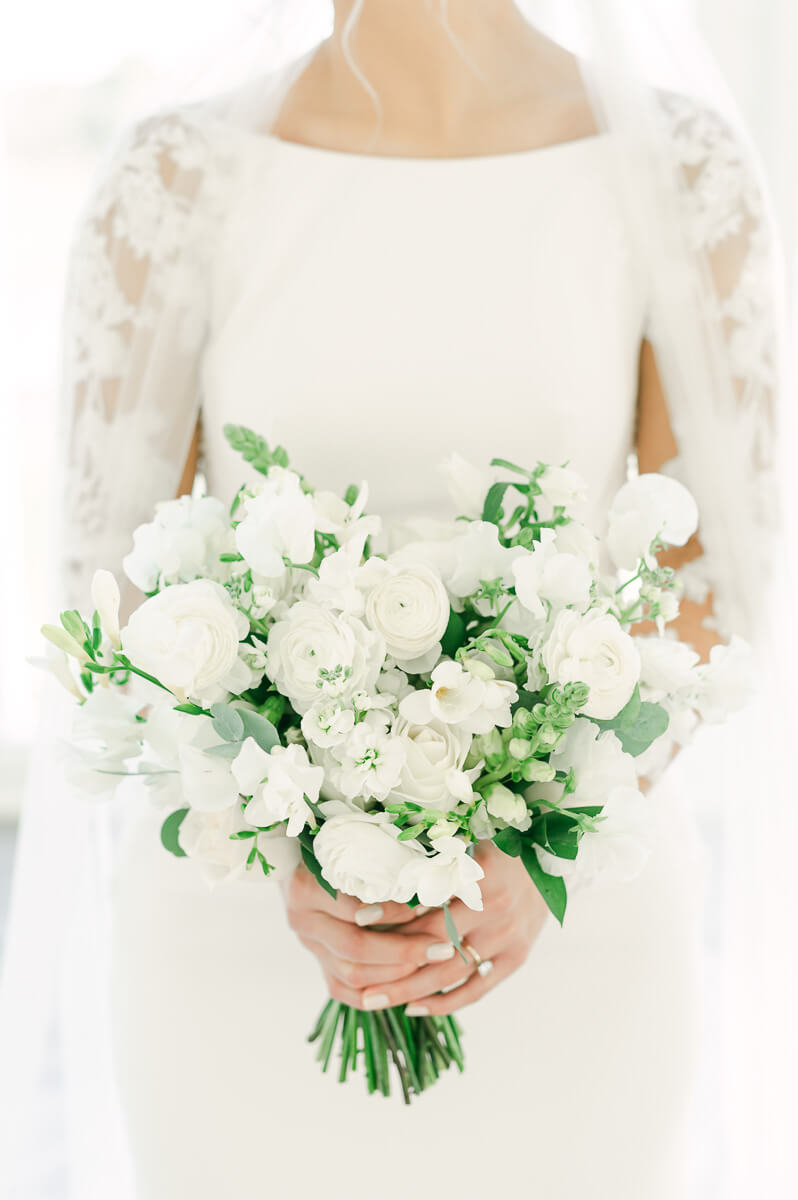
{"type": "Point", "coordinates": [562, 487]}
{"type": "Point", "coordinates": [278, 523]}
{"type": "Point", "coordinates": [315, 655]}
{"type": "Point", "coordinates": [447, 873]}
{"type": "Point", "coordinates": [182, 542]}
{"type": "Point", "coordinates": [360, 855]}
{"type": "Point", "coordinates": [467, 485]}
{"type": "Point", "coordinates": [188, 637]}
{"type": "Point", "coordinates": [648, 507]}
{"type": "Point", "coordinates": [592, 648]}
{"type": "Point", "coordinates": [433, 775]}
{"type": "Point", "coordinates": [469, 697]}
{"type": "Point", "coordinates": [409, 608]}
{"type": "Point", "coordinates": [281, 783]}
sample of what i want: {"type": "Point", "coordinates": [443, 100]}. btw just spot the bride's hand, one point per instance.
{"type": "Point", "coordinates": [353, 957]}
{"type": "Point", "coordinates": [504, 932]}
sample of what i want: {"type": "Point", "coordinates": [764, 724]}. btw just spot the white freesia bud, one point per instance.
{"type": "Point", "coordinates": [593, 649]}
{"type": "Point", "coordinates": [507, 806]}
{"type": "Point", "coordinates": [105, 597]}
{"type": "Point", "coordinates": [443, 828]}
{"type": "Point", "coordinates": [648, 507]}
{"type": "Point", "coordinates": [56, 662]}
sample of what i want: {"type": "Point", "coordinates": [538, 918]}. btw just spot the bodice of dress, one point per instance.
{"type": "Point", "coordinates": [374, 314]}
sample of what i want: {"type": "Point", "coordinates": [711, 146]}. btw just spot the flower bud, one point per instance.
{"type": "Point", "coordinates": [507, 806]}
{"type": "Point", "coordinates": [520, 748]}
{"type": "Point", "coordinates": [535, 771]}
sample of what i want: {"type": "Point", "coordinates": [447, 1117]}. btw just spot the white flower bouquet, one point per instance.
{"type": "Point", "coordinates": [288, 691]}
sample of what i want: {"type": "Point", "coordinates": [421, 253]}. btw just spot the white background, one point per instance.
{"type": "Point", "coordinates": [76, 73]}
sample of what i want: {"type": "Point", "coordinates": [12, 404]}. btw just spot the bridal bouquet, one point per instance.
{"type": "Point", "coordinates": [290, 690]}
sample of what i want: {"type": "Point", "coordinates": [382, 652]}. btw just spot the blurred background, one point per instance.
{"type": "Point", "coordinates": [73, 76]}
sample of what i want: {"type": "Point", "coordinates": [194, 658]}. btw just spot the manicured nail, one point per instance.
{"type": "Point", "coordinates": [376, 1001]}
{"type": "Point", "coordinates": [421, 910]}
{"type": "Point", "coordinates": [440, 952]}
{"type": "Point", "coordinates": [370, 915]}
{"type": "Point", "coordinates": [416, 1010]}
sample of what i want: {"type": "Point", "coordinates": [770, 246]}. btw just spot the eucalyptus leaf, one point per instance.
{"type": "Point", "coordinates": [227, 722]}
{"type": "Point", "coordinates": [259, 728]}
{"type": "Point", "coordinates": [551, 887]}
{"type": "Point", "coordinates": [170, 831]}
{"type": "Point", "coordinates": [224, 750]}
{"type": "Point", "coordinates": [651, 723]}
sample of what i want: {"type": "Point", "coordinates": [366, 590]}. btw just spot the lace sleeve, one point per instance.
{"type": "Point", "coordinates": [714, 328]}
{"type": "Point", "coordinates": [134, 326]}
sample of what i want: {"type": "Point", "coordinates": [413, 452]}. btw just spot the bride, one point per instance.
{"type": "Point", "coordinates": [423, 240]}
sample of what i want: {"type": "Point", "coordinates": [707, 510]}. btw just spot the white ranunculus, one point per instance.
{"type": "Point", "coordinates": [433, 774]}
{"type": "Point", "coordinates": [592, 648]}
{"type": "Point", "coordinates": [648, 507]}
{"type": "Point", "coordinates": [281, 784]}
{"type": "Point", "coordinates": [182, 542]}
{"type": "Point", "coordinates": [467, 485]}
{"type": "Point", "coordinates": [188, 637]}
{"type": "Point", "coordinates": [562, 487]}
{"type": "Point", "coordinates": [367, 763]}
{"type": "Point", "coordinates": [360, 855]}
{"type": "Point", "coordinates": [507, 806]}
{"type": "Point", "coordinates": [448, 872]}
{"type": "Point", "coordinates": [726, 681]}
{"type": "Point", "coordinates": [599, 763]}
{"type": "Point", "coordinates": [105, 597]}
{"type": "Point", "coordinates": [667, 666]}
{"type": "Point", "coordinates": [545, 575]}
{"type": "Point", "coordinates": [316, 655]}
{"type": "Point", "coordinates": [206, 839]}
{"type": "Point", "coordinates": [277, 523]}
{"type": "Point", "coordinates": [409, 608]}
{"type": "Point", "coordinates": [470, 697]}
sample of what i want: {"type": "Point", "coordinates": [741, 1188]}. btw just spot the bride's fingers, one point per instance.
{"type": "Point", "coordinates": [434, 923]}
{"type": "Point", "coordinates": [353, 944]}
{"type": "Point", "coordinates": [428, 981]}
{"type": "Point", "coordinates": [357, 975]}
{"type": "Point", "coordinates": [305, 892]}
{"type": "Point", "coordinates": [472, 990]}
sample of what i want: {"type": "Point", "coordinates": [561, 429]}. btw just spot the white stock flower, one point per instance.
{"type": "Point", "coordinates": [648, 507]}
{"type": "Point", "coordinates": [327, 723]}
{"type": "Point", "coordinates": [280, 783]}
{"type": "Point", "coordinates": [188, 637]}
{"type": "Point", "coordinates": [547, 575]}
{"type": "Point", "coordinates": [470, 698]}
{"type": "Point", "coordinates": [368, 763]}
{"type": "Point", "coordinates": [562, 487]}
{"type": "Point", "coordinates": [467, 485]}
{"type": "Point", "coordinates": [182, 542]}
{"type": "Point", "coordinates": [592, 648]}
{"type": "Point", "coordinates": [278, 522]}
{"type": "Point", "coordinates": [206, 838]}
{"type": "Point", "coordinates": [726, 681]}
{"type": "Point", "coordinates": [105, 597]}
{"type": "Point", "coordinates": [433, 774]}
{"type": "Point", "coordinates": [315, 655]}
{"type": "Point", "coordinates": [360, 855]}
{"type": "Point", "coordinates": [409, 608]}
{"type": "Point", "coordinates": [448, 872]}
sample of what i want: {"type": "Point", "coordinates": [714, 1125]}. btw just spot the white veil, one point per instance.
{"type": "Point", "coordinates": [134, 328]}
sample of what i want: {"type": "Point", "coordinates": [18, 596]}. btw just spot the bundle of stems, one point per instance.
{"type": "Point", "coordinates": [417, 1049]}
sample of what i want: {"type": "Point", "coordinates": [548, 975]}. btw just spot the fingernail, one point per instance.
{"type": "Point", "coordinates": [369, 915]}
{"type": "Point", "coordinates": [440, 951]}
{"type": "Point", "coordinates": [376, 1001]}
{"type": "Point", "coordinates": [421, 910]}
{"type": "Point", "coordinates": [416, 1010]}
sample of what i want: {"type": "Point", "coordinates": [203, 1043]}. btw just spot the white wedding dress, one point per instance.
{"type": "Point", "coordinates": [372, 315]}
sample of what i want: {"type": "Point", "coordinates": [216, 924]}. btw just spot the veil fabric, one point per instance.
{"type": "Point", "coordinates": [135, 323]}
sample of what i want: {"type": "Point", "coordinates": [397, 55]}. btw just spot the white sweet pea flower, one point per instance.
{"type": "Point", "coordinates": [346, 522]}
{"type": "Point", "coordinates": [433, 774]}
{"type": "Point", "coordinates": [105, 734]}
{"type": "Point", "coordinates": [599, 763]}
{"type": "Point", "coordinates": [314, 655]}
{"type": "Point", "coordinates": [467, 485]}
{"type": "Point", "coordinates": [182, 542]}
{"type": "Point", "coordinates": [468, 696]}
{"type": "Point", "coordinates": [278, 523]}
{"type": "Point", "coordinates": [105, 598]}
{"type": "Point", "coordinates": [280, 783]}
{"type": "Point", "coordinates": [470, 553]}
{"type": "Point", "coordinates": [618, 849]}
{"type": "Point", "coordinates": [188, 637]}
{"type": "Point", "coordinates": [206, 779]}
{"type": "Point", "coordinates": [575, 538]}
{"type": "Point", "coordinates": [360, 855]}
{"type": "Point", "coordinates": [592, 648]}
{"type": "Point", "coordinates": [448, 872]}
{"type": "Point", "coordinates": [369, 761]}
{"type": "Point", "coordinates": [562, 487]}
{"type": "Point", "coordinates": [547, 575]}
{"type": "Point", "coordinates": [206, 837]}
{"type": "Point", "coordinates": [667, 667]}
{"type": "Point", "coordinates": [726, 681]}
{"type": "Point", "coordinates": [648, 507]}
{"type": "Point", "coordinates": [409, 608]}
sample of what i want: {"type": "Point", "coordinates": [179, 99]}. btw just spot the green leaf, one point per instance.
{"type": "Point", "coordinates": [558, 833]}
{"type": "Point", "coordinates": [194, 709]}
{"type": "Point", "coordinates": [413, 902]}
{"type": "Point", "coordinates": [509, 840]}
{"type": "Point", "coordinates": [454, 936]}
{"type": "Point", "coordinates": [551, 887]}
{"type": "Point", "coordinates": [224, 750]}
{"type": "Point", "coordinates": [651, 723]}
{"type": "Point", "coordinates": [227, 722]}
{"type": "Point", "coordinates": [313, 865]}
{"type": "Point", "coordinates": [74, 624]}
{"type": "Point", "coordinates": [255, 449]}
{"type": "Point", "coordinates": [259, 728]}
{"type": "Point", "coordinates": [170, 831]}
{"type": "Point", "coordinates": [491, 510]}
{"type": "Point", "coordinates": [455, 634]}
